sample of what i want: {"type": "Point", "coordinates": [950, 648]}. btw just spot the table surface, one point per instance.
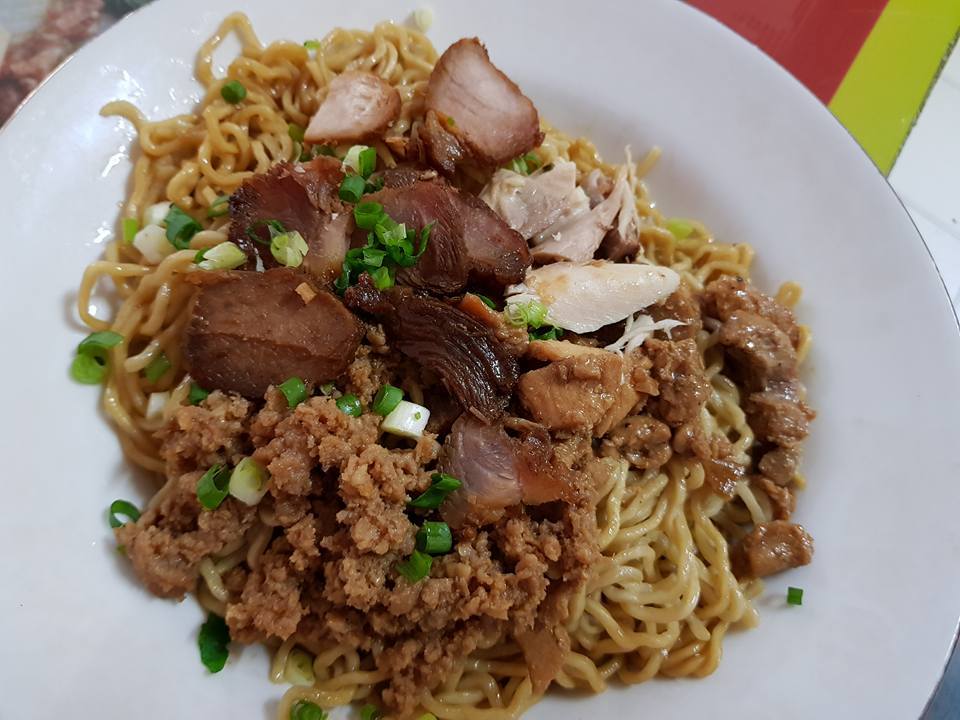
{"type": "Point", "coordinates": [888, 69]}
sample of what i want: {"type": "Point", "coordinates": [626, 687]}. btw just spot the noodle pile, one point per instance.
{"type": "Point", "coordinates": [664, 596]}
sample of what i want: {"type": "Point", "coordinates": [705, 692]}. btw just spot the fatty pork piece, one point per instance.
{"type": "Point", "coordinates": [474, 110]}
{"type": "Point", "coordinates": [302, 197]}
{"type": "Point", "coordinates": [358, 105]}
{"type": "Point", "coordinates": [250, 330]}
{"type": "Point", "coordinates": [468, 242]}
{"type": "Point", "coordinates": [498, 471]}
{"type": "Point", "coordinates": [474, 366]}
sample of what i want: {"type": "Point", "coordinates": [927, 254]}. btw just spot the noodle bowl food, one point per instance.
{"type": "Point", "coordinates": [446, 412]}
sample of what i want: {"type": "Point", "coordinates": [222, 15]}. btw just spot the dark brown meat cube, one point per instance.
{"type": "Point", "coordinates": [770, 548]}
{"type": "Point", "coordinates": [778, 414]}
{"type": "Point", "coordinates": [642, 440]}
{"type": "Point", "coordinates": [760, 349]}
{"type": "Point", "coordinates": [678, 370]}
{"type": "Point", "coordinates": [727, 295]}
{"type": "Point", "coordinates": [684, 306]}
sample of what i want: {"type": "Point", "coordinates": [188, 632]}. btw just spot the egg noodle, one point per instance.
{"type": "Point", "coordinates": [663, 597]}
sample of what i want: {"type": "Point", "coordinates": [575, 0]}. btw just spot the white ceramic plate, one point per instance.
{"type": "Point", "coordinates": [747, 149]}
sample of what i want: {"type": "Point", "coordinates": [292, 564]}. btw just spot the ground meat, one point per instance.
{"type": "Point", "coordinates": [683, 386]}
{"type": "Point", "coordinates": [337, 498]}
{"type": "Point", "coordinates": [643, 440]}
{"type": "Point", "coordinates": [167, 543]}
{"type": "Point", "coordinates": [198, 437]}
{"type": "Point", "coordinates": [728, 294]}
{"type": "Point", "coordinates": [770, 548]}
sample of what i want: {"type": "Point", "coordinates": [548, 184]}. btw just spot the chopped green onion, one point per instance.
{"type": "Point", "coordinates": [382, 278]}
{"type": "Point", "coordinates": [311, 44]}
{"type": "Point", "coordinates": [386, 399]}
{"type": "Point", "coordinates": [289, 248]}
{"type": "Point", "coordinates": [225, 256]}
{"type": "Point", "coordinates": [407, 420]}
{"type": "Point", "coordinates": [328, 389]}
{"type": "Point", "coordinates": [213, 641]}
{"type": "Point", "coordinates": [519, 165]}
{"type": "Point", "coordinates": [794, 596]}
{"type": "Point", "coordinates": [352, 187]}
{"type": "Point", "coordinates": [213, 486]}
{"type": "Point", "coordinates": [157, 368]}
{"type": "Point", "coordinates": [416, 567]}
{"type": "Point", "coordinates": [295, 132]}
{"type": "Point", "coordinates": [367, 162]}
{"type": "Point", "coordinates": [450, 121]}
{"type": "Point", "coordinates": [294, 390]}
{"type": "Point", "coordinates": [298, 669]}
{"type": "Point", "coordinates": [487, 301]}
{"type": "Point", "coordinates": [434, 538]}
{"type": "Point", "coordinates": [233, 92]}
{"type": "Point", "coordinates": [427, 716]}
{"type": "Point", "coordinates": [88, 369]}
{"type": "Point", "coordinates": [274, 228]}
{"type": "Point", "coordinates": [368, 214]}
{"type": "Point", "coordinates": [434, 495]}
{"type": "Point", "coordinates": [546, 333]}
{"type": "Point", "coordinates": [180, 228]}
{"type": "Point", "coordinates": [123, 508]}
{"type": "Point", "coordinates": [532, 161]}
{"type": "Point", "coordinates": [679, 228]}
{"type": "Point", "coordinates": [95, 343]}
{"type": "Point", "coordinates": [220, 206]}
{"type": "Point", "coordinates": [155, 214]}
{"type": "Point", "coordinates": [306, 710]}
{"type": "Point", "coordinates": [248, 482]}
{"type": "Point", "coordinates": [197, 394]}
{"type": "Point", "coordinates": [323, 150]}
{"type": "Point", "coordinates": [349, 404]}
{"type": "Point", "coordinates": [369, 712]}
{"type": "Point", "coordinates": [130, 228]}
{"type": "Point", "coordinates": [530, 313]}
{"type": "Point", "coordinates": [361, 159]}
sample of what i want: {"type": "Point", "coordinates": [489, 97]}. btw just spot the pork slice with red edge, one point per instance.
{"type": "Point", "coordinates": [479, 107]}
{"type": "Point", "coordinates": [250, 330]}
{"type": "Point", "coordinates": [302, 197]}
{"type": "Point", "coordinates": [358, 105]}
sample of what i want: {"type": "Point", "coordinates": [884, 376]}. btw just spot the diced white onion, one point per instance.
{"type": "Point", "coordinates": [156, 402]}
{"type": "Point", "coordinates": [298, 669]}
{"type": "Point", "coordinates": [406, 420]}
{"type": "Point", "coordinates": [352, 158]}
{"type": "Point", "coordinates": [152, 242]}
{"type": "Point", "coordinates": [156, 213]}
{"type": "Point", "coordinates": [248, 483]}
{"type": "Point", "coordinates": [225, 256]}
{"type": "Point", "coordinates": [423, 17]}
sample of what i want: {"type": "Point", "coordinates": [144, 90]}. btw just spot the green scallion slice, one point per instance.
{"type": "Point", "coordinates": [349, 404]}
{"type": "Point", "coordinates": [433, 496]}
{"type": "Point", "coordinates": [367, 162]}
{"type": "Point", "coordinates": [382, 278]}
{"type": "Point", "coordinates": [386, 399]}
{"type": "Point", "coordinates": [311, 44]}
{"type": "Point", "coordinates": [434, 538]}
{"type": "Point", "coordinates": [157, 368]}
{"type": "Point", "coordinates": [88, 369]}
{"type": "Point", "coordinates": [368, 214]}
{"type": "Point", "coordinates": [416, 567]}
{"type": "Point", "coordinates": [295, 132]}
{"type": "Point", "coordinates": [369, 712]}
{"type": "Point", "coordinates": [123, 509]}
{"type": "Point", "coordinates": [96, 343]}
{"type": "Point", "coordinates": [487, 301]}
{"type": "Point", "coordinates": [213, 642]}
{"type": "Point", "coordinates": [352, 187]}
{"type": "Point", "coordinates": [233, 92]}
{"type": "Point", "coordinates": [306, 710]}
{"type": "Point", "coordinates": [180, 228]}
{"type": "Point", "coordinates": [197, 394]}
{"type": "Point", "coordinates": [213, 486]}
{"type": "Point", "coordinates": [298, 669]}
{"type": "Point", "coordinates": [794, 596]}
{"type": "Point", "coordinates": [680, 228]}
{"type": "Point", "coordinates": [294, 390]}
{"type": "Point", "coordinates": [130, 228]}
{"type": "Point", "coordinates": [219, 207]}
